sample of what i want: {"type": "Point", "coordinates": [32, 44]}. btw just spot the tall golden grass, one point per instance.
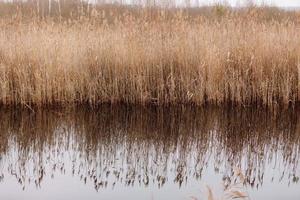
{"type": "Point", "coordinates": [149, 55]}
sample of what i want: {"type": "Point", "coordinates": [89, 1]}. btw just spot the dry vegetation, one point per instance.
{"type": "Point", "coordinates": [236, 189]}
{"type": "Point", "coordinates": [75, 53]}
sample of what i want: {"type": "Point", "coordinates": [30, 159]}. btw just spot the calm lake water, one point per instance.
{"type": "Point", "coordinates": [148, 153]}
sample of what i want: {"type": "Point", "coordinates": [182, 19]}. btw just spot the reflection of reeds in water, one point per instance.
{"type": "Point", "coordinates": [144, 146]}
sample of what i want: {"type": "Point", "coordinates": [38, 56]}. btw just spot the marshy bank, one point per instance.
{"type": "Point", "coordinates": [148, 55]}
{"type": "Point", "coordinates": [147, 153]}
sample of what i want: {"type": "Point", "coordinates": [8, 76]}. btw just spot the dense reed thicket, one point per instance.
{"type": "Point", "coordinates": [127, 54]}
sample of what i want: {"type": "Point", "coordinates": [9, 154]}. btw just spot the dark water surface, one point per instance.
{"type": "Point", "coordinates": [148, 153]}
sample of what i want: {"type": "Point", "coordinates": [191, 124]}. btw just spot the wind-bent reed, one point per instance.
{"type": "Point", "coordinates": [151, 56]}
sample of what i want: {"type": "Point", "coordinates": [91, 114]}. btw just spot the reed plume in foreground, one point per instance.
{"type": "Point", "coordinates": [165, 58]}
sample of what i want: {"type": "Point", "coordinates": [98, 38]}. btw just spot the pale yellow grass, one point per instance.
{"type": "Point", "coordinates": [137, 59]}
{"type": "Point", "coordinates": [237, 189]}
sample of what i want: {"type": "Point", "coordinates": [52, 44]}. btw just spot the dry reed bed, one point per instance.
{"type": "Point", "coordinates": [139, 60]}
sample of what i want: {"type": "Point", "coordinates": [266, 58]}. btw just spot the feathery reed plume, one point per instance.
{"type": "Point", "coordinates": [235, 190]}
